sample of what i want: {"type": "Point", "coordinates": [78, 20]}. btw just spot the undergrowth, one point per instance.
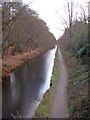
{"type": "Point", "coordinates": [78, 104]}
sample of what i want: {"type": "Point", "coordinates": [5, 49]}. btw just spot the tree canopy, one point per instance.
{"type": "Point", "coordinates": [23, 30]}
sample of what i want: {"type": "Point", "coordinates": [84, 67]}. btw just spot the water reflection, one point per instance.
{"type": "Point", "coordinates": [25, 89]}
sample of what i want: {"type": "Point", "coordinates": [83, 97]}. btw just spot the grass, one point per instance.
{"type": "Point", "coordinates": [44, 108]}
{"type": "Point", "coordinates": [78, 105]}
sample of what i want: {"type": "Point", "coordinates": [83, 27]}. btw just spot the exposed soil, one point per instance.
{"type": "Point", "coordinates": [59, 106]}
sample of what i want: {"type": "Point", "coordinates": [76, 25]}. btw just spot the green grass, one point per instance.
{"type": "Point", "coordinates": [44, 108]}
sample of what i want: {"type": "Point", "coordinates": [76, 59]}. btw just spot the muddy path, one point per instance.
{"type": "Point", "coordinates": [59, 107]}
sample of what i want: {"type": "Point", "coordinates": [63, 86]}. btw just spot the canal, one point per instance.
{"type": "Point", "coordinates": [24, 90]}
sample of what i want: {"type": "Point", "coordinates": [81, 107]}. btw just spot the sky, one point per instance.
{"type": "Point", "coordinates": [51, 10]}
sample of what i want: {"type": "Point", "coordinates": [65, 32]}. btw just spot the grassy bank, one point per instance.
{"type": "Point", "coordinates": [44, 108]}
{"type": "Point", "coordinates": [78, 105]}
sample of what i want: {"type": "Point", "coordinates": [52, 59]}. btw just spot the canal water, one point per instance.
{"type": "Point", "coordinates": [26, 86]}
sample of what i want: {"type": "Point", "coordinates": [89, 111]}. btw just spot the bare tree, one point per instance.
{"type": "Point", "coordinates": [83, 16]}
{"type": "Point", "coordinates": [70, 16]}
{"type": "Point", "coordinates": [68, 22]}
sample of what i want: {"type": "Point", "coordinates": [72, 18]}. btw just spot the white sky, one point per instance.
{"type": "Point", "coordinates": [47, 11]}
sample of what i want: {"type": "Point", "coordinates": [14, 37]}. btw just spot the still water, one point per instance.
{"type": "Point", "coordinates": [26, 86]}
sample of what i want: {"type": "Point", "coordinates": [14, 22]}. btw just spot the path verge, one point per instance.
{"type": "Point", "coordinates": [59, 106]}
{"type": "Point", "coordinates": [43, 111]}
{"type": "Point", "coordinates": [54, 103]}
{"type": "Point", "coordinates": [78, 103]}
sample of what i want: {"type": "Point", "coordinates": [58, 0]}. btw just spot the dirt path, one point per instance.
{"type": "Point", "coordinates": [59, 107]}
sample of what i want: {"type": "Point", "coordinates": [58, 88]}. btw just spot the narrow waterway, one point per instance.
{"type": "Point", "coordinates": [24, 90]}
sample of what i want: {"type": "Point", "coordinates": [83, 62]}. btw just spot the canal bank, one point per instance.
{"type": "Point", "coordinates": [54, 103]}
{"type": "Point", "coordinates": [44, 108]}
{"type": "Point", "coordinates": [10, 62]}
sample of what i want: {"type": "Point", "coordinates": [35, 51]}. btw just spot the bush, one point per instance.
{"type": "Point", "coordinates": [83, 53]}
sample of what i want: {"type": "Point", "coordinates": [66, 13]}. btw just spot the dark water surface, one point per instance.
{"type": "Point", "coordinates": [27, 85]}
